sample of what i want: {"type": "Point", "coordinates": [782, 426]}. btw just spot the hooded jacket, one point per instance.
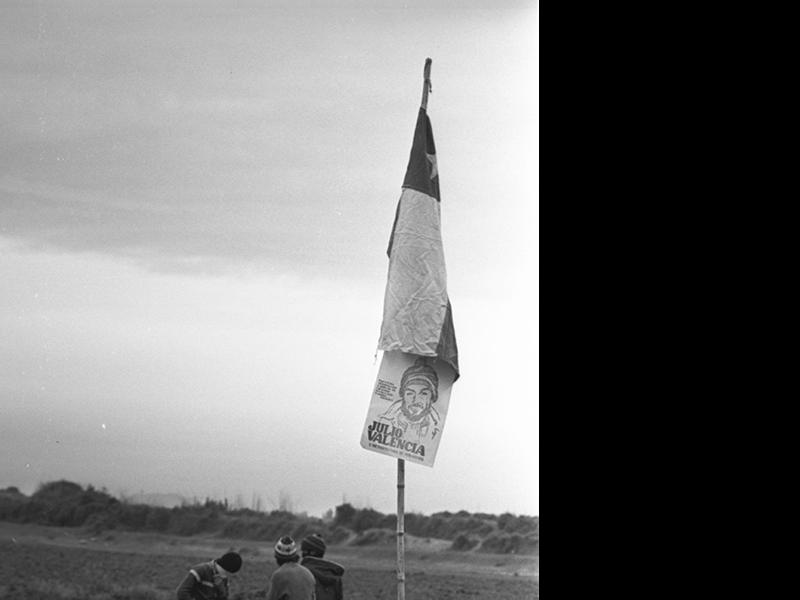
{"type": "Point", "coordinates": [328, 576]}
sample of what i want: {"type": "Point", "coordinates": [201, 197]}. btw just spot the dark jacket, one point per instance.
{"type": "Point", "coordinates": [203, 583]}
{"type": "Point", "coordinates": [328, 576]}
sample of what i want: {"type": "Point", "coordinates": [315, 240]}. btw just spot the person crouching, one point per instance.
{"type": "Point", "coordinates": [209, 580]}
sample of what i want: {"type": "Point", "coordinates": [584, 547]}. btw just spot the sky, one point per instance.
{"type": "Point", "coordinates": [195, 204]}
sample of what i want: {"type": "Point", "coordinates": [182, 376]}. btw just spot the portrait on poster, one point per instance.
{"type": "Point", "coordinates": [408, 408]}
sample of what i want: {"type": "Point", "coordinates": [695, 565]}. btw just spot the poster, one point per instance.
{"type": "Point", "coordinates": [408, 409]}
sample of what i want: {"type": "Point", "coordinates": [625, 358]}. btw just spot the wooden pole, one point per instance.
{"type": "Point", "coordinates": [401, 464]}
{"type": "Point", "coordinates": [401, 529]}
{"type": "Point", "coordinates": [426, 84]}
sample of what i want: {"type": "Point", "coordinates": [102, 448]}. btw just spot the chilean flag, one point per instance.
{"type": "Point", "coordinates": [417, 317]}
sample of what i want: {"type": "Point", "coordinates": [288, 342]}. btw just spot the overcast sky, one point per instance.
{"type": "Point", "coordinates": [195, 203]}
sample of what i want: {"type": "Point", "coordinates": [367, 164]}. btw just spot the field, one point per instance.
{"type": "Point", "coordinates": [38, 563]}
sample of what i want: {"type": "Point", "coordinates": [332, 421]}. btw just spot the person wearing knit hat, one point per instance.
{"type": "Point", "coordinates": [230, 562]}
{"type": "Point", "coordinates": [286, 550]}
{"type": "Point", "coordinates": [313, 545]}
{"type": "Point", "coordinates": [327, 574]}
{"type": "Point", "coordinates": [291, 580]}
{"type": "Point", "coordinates": [209, 580]}
{"type": "Point", "coordinates": [414, 412]}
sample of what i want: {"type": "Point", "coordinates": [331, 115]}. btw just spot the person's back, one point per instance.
{"type": "Point", "coordinates": [328, 576]}
{"type": "Point", "coordinates": [290, 581]}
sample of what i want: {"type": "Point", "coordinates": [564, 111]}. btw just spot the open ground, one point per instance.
{"type": "Point", "coordinates": [38, 563]}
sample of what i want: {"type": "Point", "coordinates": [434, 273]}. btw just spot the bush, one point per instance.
{"type": "Point", "coordinates": [134, 516]}
{"type": "Point", "coordinates": [338, 536]}
{"type": "Point", "coordinates": [58, 491]}
{"type": "Point", "coordinates": [11, 504]}
{"type": "Point", "coordinates": [64, 504]}
{"type": "Point", "coordinates": [366, 519]}
{"type": "Point", "coordinates": [510, 544]}
{"type": "Point", "coordinates": [464, 543]}
{"type": "Point", "coordinates": [157, 519]}
{"type": "Point", "coordinates": [100, 522]}
{"type": "Point", "coordinates": [373, 537]}
{"type": "Point", "coordinates": [189, 521]}
{"type": "Point", "coordinates": [513, 524]}
{"type": "Point", "coordinates": [345, 514]}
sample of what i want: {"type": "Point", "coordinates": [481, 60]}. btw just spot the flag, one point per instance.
{"type": "Point", "coordinates": [417, 316]}
{"type": "Point", "coordinates": [409, 405]}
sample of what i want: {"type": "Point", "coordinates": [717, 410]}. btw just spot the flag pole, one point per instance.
{"type": "Point", "coordinates": [401, 464]}
{"type": "Point", "coordinates": [401, 529]}
{"type": "Point", "coordinates": [426, 85]}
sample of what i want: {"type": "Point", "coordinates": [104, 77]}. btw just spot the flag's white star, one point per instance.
{"type": "Point", "coordinates": [434, 169]}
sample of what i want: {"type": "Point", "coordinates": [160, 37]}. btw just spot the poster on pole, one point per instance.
{"type": "Point", "coordinates": [409, 406]}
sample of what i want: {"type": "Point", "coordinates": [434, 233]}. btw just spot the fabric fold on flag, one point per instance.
{"type": "Point", "coordinates": [417, 315]}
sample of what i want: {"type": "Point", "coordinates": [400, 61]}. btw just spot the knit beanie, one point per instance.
{"type": "Point", "coordinates": [313, 544]}
{"type": "Point", "coordinates": [230, 561]}
{"type": "Point", "coordinates": [285, 548]}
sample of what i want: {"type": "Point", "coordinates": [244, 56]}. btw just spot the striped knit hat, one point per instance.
{"type": "Point", "coordinates": [285, 548]}
{"type": "Point", "coordinates": [313, 544]}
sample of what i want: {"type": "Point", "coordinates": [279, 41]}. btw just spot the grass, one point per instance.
{"type": "Point", "coordinates": [39, 563]}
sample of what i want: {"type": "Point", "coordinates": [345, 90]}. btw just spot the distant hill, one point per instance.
{"type": "Point", "coordinates": [63, 503]}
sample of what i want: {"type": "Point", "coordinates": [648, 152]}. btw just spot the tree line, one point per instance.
{"type": "Point", "coordinates": [68, 504]}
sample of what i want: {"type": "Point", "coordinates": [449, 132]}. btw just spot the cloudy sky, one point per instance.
{"type": "Point", "coordinates": [195, 203]}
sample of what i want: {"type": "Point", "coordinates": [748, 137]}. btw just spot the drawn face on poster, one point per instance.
{"type": "Point", "coordinates": [414, 411]}
{"type": "Point", "coordinates": [408, 408]}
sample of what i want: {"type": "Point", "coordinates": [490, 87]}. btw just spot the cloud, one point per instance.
{"type": "Point", "coordinates": [217, 138]}
{"type": "Point", "coordinates": [194, 234]}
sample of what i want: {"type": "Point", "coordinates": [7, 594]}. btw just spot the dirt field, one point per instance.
{"type": "Point", "coordinates": [38, 563]}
